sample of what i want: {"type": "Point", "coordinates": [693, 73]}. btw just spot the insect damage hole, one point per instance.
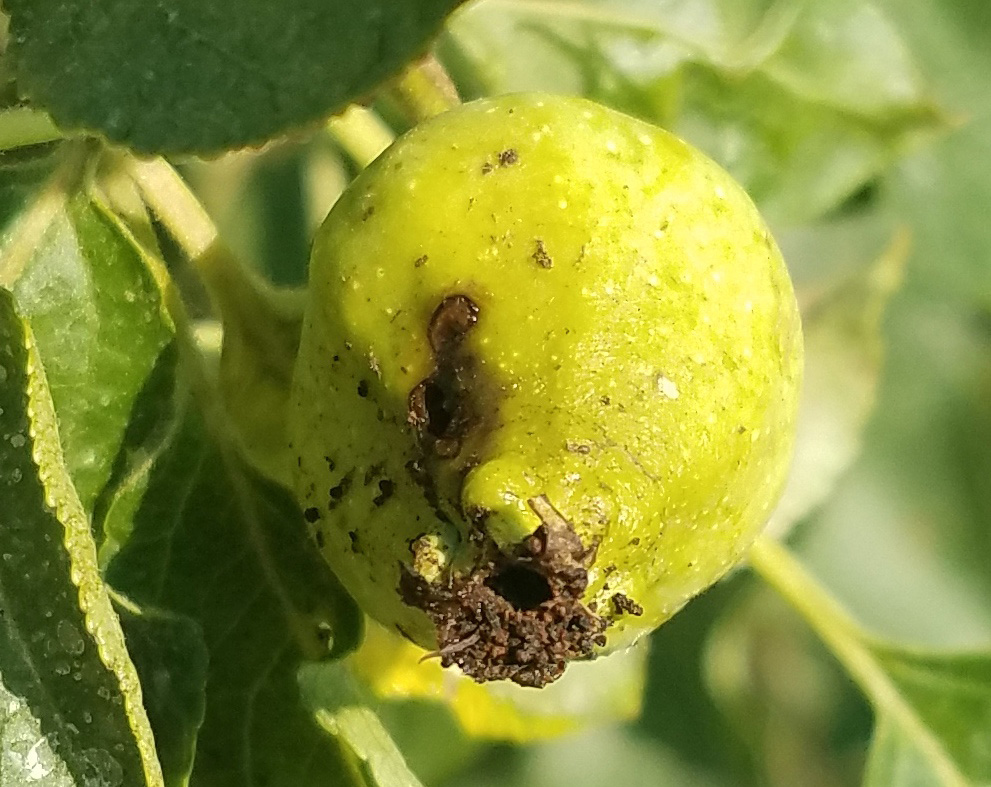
{"type": "Point", "coordinates": [521, 586]}
{"type": "Point", "coordinates": [439, 406]}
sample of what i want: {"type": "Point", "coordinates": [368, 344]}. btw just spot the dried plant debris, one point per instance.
{"type": "Point", "coordinates": [517, 617]}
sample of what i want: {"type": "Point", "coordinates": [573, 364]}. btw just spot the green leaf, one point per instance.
{"type": "Point", "coordinates": [22, 172]}
{"type": "Point", "coordinates": [96, 314]}
{"type": "Point", "coordinates": [847, 54]}
{"type": "Point", "coordinates": [843, 359]}
{"type": "Point", "coordinates": [171, 658]}
{"type": "Point", "coordinates": [22, 126]}
{"type": "Point", "coordinates": [285, 604]}
{"type": "Point", "coordinates": [951, 695]}
{"type": "Point", "coordinates": [797, 157]}
{"type": "Point", "coordinates": [200, 536]}
{"type": "Point", "coordinates": [203, 75]}
{"type": "Point", "coordinates": [933, 709]}
{"type": "Point", "coordinates": [802, 125]}
{"type": "Point", "coordinates": [262, 327]}
{"type": "Point", "coordinates": [942, 188]}
{"type": "Point", "coordinates": [344, 710]}
{"type": "Point", "coordinates": [212, 542]}
{"type": "Point", "coordinates": [93, 307]}
{"type": "Point", "coordinates": [72, 710]}
{"type": "Point", "coordinates": [633, 41]}
{"type": "Point", "coordinates": [895, 762]}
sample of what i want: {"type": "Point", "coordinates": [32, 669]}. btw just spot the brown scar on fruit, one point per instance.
{"type": "Point", "coordinates": [504, 158]}
{"type": "Point", "coordinates": [516, 616]}
{"type": "Point", "coordinates": [541, 257]}
{"type": "Point", "coordinates": [439, 407]}
{"type": "Point", "coordinates": [508, 157]}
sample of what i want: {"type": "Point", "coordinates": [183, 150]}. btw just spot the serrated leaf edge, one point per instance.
{"type": "Point", "coordinates": [102, 623]}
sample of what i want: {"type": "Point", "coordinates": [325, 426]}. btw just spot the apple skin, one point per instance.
{"type": "Point", "coordinates": [551, 354]}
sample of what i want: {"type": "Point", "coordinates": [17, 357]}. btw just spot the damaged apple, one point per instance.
{"type": "Point", "coordinates": [547, 385]}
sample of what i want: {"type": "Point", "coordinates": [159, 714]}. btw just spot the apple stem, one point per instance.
{"type": "Point", "coordinates": [424, 89]}
{"type": "Point", "coordinates": [361, 134]}
{"type": "Point", "coordinates": [237, 294]}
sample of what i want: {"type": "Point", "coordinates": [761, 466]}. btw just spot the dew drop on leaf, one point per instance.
{"type": "Point", "coordinates": [69, 637]}
{"type": "Point", "coordinates": [103, 769]}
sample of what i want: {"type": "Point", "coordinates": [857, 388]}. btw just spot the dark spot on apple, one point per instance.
{"type": "Point", "coordinates": [450, 323]}
{"type": "Point", "coordinates": [508, 157]}
{"type": "Point", "coordinates": [338, 491]}
{"type": "Point", "coordinates": [439, 407]}
{"type": "Point", "coordinates": [421, 477]}
{"type": "Point", "coordinates": [386, 489]}
{"type": "Point", "coordinates": [541, 257]}
{"type": "Point", "coordinates": [624, 603]}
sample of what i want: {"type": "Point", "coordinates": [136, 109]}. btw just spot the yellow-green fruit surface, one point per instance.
{"type": "Point", "coordinates": [547, 386]}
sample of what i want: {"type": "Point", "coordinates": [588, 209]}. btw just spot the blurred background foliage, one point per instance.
{"type": "Point", "coordinates": [847, 120]}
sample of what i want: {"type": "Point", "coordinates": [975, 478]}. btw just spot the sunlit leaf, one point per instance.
{"type": "Point", "coordinates": [932, 708]}
{"type": "Point", "coordinates": [92, 306]}
{"type": "Point", "coordinates": [343, 708]}
{"type": "Point", "coordinates": [803, 102]}
{"type": "Point", "coordinates": [211, 542]}
{"type": "Point", "coordinates": [203, 538]}
{"type": "Point", "coordinates": [950, 696]}
{"type": "Point", "coordinates": [203, 76]}
{"type": "Point", "coordinates": [72, 712]}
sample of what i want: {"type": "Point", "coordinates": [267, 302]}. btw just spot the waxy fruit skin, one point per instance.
{"type": "Point", "coordinates": [547, 385]}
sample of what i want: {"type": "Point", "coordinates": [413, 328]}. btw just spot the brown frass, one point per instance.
{"type": "Point", "coordinates": [624, 603]}
{"type": "Point", "coordinates": [541, 257]}
{"type": "Point", "coordinates": [519, 616]}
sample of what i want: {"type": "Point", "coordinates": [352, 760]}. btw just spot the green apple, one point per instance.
{"type": "Point", "coordinates": [547, 385]}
